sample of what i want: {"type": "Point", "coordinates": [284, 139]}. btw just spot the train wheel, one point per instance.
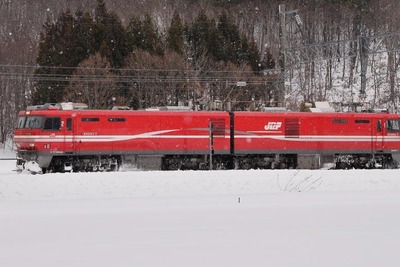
{"type": "Point", "coordinates": [390, 165]}
{"type": "Point", "coordinates": [173, 166]}
{"type": "Point", "coordinates": [246, 165]}
{"type": "Point", "coordinates": [342, 165]}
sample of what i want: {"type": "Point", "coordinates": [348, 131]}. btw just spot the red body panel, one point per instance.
{"type": "Point", "coordinates": [141, 132]}
{"type": "Point", "coordinates": [315, 132]}
{"type": "Point", "coordinates": [158, 132]}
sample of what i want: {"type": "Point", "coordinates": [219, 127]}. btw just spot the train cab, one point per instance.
{"type": "Point", "coordinates": [42, 132]}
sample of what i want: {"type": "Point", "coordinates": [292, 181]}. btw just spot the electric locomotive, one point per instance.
{"type": "Point", "coordinates": [69, 137]}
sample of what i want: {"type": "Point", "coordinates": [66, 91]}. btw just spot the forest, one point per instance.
{"type": "Point", "coordinates": [206, 54]}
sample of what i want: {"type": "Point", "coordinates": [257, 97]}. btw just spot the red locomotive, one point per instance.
{"type": "Point", "coordinates": [63, 138]}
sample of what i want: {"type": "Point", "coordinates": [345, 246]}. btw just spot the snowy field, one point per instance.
{"type": "Point", "coordinates": [187, 218]}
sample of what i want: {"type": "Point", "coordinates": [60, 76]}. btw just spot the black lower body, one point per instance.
{"type": "Point", "coordinates": [113, 162]}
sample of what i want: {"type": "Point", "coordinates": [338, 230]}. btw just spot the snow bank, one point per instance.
{"type": "Point", "coordinates": [200, 218]}
{"type": "Point", "coordinates": [187, 183]}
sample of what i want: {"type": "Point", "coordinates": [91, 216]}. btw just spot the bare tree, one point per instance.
{"type": "Point", "coordinates": [93, 83]}
{"type": "Point", "coordinates": [159, 80]}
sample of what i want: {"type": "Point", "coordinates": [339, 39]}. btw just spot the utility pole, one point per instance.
{"type": "Point", "coordinates": [211, 129]}
{"type": "Point", "coordinates": [364, 52]}
{"type": "Point", "coordinates": [280, 92]}
{"type": "Point", "coordinates": [364, 49]}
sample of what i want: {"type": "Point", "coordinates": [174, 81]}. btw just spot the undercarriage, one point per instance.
{"type": "Point", "coordinates": [85, 164]}
{"type": "Point", "coordinates": [106, 163]}
{"type": "Point", "coordinates": [227, 162]}
{"type": "Point", "coordinates": [365, 161]}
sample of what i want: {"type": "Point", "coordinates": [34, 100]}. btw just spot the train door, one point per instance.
{"type": "Point", "coordinates": [53, 129]}
{"type": "Point", "coordinates": [217, 133]}
{"type": "Point", "coordinates": [378, 135]}
{"type": "Point", "coordinates": [69, 135]}
{"type": "Point", "coordinates": [392, 132]}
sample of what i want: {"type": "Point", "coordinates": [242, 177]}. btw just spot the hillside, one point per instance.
{"type": "Point", "coordinates": [343, 52]}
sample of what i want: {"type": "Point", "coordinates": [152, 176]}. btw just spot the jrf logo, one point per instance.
{"type": "Point", "coordinates": [273, 125]}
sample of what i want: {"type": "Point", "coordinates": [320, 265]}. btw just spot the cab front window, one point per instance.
{"type": "Point", "coordinates": [21, 122]}
{"type": "Point", "coordinates": [33, 122]}
{"type": "Point", "coordinates": [393, 125]}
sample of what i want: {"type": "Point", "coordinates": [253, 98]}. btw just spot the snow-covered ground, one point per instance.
{"type": "Point", "coordinates": [187, 218]}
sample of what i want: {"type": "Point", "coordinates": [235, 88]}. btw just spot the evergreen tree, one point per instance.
{"type": "Point", "coordinates": [67, 42]}
{"type": "Point", "coordinates": [200, 35]}
{"type": "Point", "coordinates": [114, 43]}
{"type": "Point", "coordinates": [215, 42]}
{"type": "Point", "coordinates": [101, 13]}
{"type": "Point", "coordinates": [44, 92]}
{"type": "Point", "coordinates": [231, 45]}
{"type": "Point", "coordinates": [134, 33]}
{"type": "Point", "coordinates": [110, 36]}
{"type": "Point", "coordinates": [57, 58]}
{"type": "Point", "coordinates": [151, 41]}
{"type": "Point", "coordinates": [249, 54]}
{"type": "Point", "coordinates": [84, 28]}
{"type": "Point", "coordinates": [175, 35]}
{"type": "Point", "coordinates": [144, 35]}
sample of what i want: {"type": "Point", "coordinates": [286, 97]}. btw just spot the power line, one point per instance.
{"type": "Point", "coordinates": [128, 75]}
{"type": "Point", "coordinates": [382, 43]}
{"type": "Point", "coordinates": [121, 70]}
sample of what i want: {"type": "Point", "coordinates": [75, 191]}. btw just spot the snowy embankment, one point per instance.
{"type": "Point", "coordinates": [188, 218]}
{"type": "Point", "coordinates": [238, 183]}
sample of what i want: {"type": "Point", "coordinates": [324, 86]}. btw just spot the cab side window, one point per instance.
{"type": "Point", "coordinates": [52, 124]}
{"type": "Point", "coordinates": [69, 124]}
{"type": "Point", "coordinates": [393, 125]}
{"type": "Point", "coordinates": [379, 126]}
